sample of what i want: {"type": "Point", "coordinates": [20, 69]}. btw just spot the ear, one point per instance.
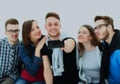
{"type": "Point", "coordinates": [110, 27]}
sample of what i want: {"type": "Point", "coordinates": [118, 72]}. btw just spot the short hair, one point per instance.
{"type": "Point", "coordinates": [52, 14]}
{"type": "Point", "coordinates": [108, 20]}
{"type": "Point", "coordinates": [11, 21]}
{"type": "Point", "coordinates": [26, 29]}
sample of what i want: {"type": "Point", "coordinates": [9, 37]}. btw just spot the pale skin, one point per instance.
{"type": "Point", "coordinates": [52, 26]}
{"type": "Point", "coordinates": [12, 37]}
{"type": "Point", "coordinates": [104, 32]}
{"type": "Point", "coordinates": [84, 37]}
{"type": "Point", "coordinates": [35, 35]}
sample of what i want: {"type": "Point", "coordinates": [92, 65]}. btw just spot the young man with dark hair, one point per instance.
{"type": "Point", "coordinates": [9, 59]}
{"type": "Point", "coordinates": [105, 31]}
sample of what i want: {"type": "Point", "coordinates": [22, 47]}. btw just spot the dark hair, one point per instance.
{"type": "Point", "coordinates": [11, 21]}
{"type": "Point", "coordinates": [94, 40]}
{"type": "Point", "coordinates": [52, 14]}
{"type": "Point", "coordinates": [108, 20]}
{"type": "Point", "coordinates": [26, 29]}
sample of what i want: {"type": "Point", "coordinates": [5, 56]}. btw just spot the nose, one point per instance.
{"type": "Point", "coordinates": [79, 35]}
{"type": "Point", "coordinates": [52, 26]}
{"type": "Point", "coordinates": [96, 31]}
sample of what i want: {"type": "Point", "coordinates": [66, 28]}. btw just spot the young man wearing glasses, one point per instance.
{"type": "Point", "coordinates": [9, 59]}
{"type": "Point", "coordinates": [105, 31]}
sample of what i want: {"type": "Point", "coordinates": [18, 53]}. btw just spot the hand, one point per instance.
{"type": "Point", "coordinates": [69, 45]}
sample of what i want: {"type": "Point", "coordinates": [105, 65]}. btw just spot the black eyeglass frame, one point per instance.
{"type": "Point", "coordinates": [13, 31]}
{"type": "Point", "coordinates": [100, 25]}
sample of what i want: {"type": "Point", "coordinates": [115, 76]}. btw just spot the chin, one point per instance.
{"type": "Point", "coordinates": [15, 39]}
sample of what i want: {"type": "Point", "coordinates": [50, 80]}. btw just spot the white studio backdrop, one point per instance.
{"type": "Point", "coordinates": [73, 13]}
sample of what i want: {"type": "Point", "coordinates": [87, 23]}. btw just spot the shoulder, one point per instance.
{"type": "Point", "coordinates": [115, 56]}
{"type": "Point", "coordinates": [3, 41]}
{"type": "Point", "coordinates": [116, 53]}
{"type": "Point", "coordinates": [45, 50]}
{"type": "Point", "coordinates": [22, 47]}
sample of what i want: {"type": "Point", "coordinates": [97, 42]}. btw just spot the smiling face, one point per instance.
{"type": "Point", "coordinates": [53, 26]}
{"type": "Point", "coordinates": [84, 35]}
{"type": "Point", "coordinates": [35, 32]}
{"type": "Point", "coordinates": [101, 29]}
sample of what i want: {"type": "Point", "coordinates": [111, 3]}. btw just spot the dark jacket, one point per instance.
{"type": "Point", "coordinates": [108, 49]}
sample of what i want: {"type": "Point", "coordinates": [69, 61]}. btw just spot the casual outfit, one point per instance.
{"type": "Point", "coordinates": [64, 65]}
{"type": "Point", "coordinates": [114, 50]}
{"type": "Point", "coordinates": [32, 72]}
{"type": "Point", "coordinates": [104, 70]}
{"type": "Point", "coordinates": [89, 66]}
{"type": "Point", "coordinates": [111, 62]}
{"type": "Point", "coordinates": [9, 61]}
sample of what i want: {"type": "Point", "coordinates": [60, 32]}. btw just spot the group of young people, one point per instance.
{"type": "Point", "coordinates": [93, 59]}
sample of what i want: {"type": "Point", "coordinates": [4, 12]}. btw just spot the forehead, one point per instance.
{"type": "Point", "coordinates": [34, 23]}
{"type": "Point", "coordinates": [52, 20]}
{"type": "Point", "coordinates": [98, 22]}
{"type": "Point", "coordinates": [12, 26]}
{"type": "Point", "coordinates": [83, 28]}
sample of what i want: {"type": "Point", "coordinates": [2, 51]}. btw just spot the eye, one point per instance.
{"type": "Point", "coordinates": [49, 24]}
{"type": "Point", "coordinates": [16, 30]}
{"type": "Point", "coordinates": [79, 32]}
{"type": "Point", "coordinates": [56, 24]}
{"type": "Point", "coordinates": [84, 32]}
{"type": "Point", "coordinates": [37, 27]}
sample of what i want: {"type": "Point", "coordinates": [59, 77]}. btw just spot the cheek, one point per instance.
{"type": "Point", "coordinates": [96, 32]}
{"type": "Point", "coordinates": [31, 35]}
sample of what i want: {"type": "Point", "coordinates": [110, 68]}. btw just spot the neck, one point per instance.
{"type": "Point", "coordinates": [88, 46]}
{"type": "Point", "coordinates": [35, 42]}
{"type": "Point", "coordinates": [54, 37]}
{"type": "Point", "coordinates": [12, 43]}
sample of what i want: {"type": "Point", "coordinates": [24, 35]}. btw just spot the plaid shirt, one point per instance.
{"type": "Point", "coordinates": [9, 59]}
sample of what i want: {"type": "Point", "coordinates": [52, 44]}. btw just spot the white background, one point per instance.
{"type": "Point", "coordinates": [73, 13]}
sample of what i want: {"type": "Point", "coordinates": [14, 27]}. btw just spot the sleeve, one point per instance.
{"type": "Point", "coordinates": [0, 47]}
{"type": "Point", "coordinates": [117, 56]}
{"type": "Point", "coordinates": [69, 38]}
{"type": "Point", "coordinates": [45, 50]}
{"type": "Point", "coordinates": [32, 65]}
{"type": "Point", "coordinates": [0, 44]}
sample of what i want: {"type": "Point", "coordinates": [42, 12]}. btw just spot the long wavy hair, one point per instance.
{"type": "Point", "coordinates": [94, 41]}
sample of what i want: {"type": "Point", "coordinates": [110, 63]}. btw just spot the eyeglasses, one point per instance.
{"type": "Point", "coordinates": [98, 27]}
{"type": "Point", "coordinates": [13, 31]}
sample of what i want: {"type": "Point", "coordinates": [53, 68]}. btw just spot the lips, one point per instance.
{"type": "Point", "coordinates": [15, 37]}
{"type": "Point", "coordinates": [53, 31]}
{"type": "Point", "coordinates": [38, 34]}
